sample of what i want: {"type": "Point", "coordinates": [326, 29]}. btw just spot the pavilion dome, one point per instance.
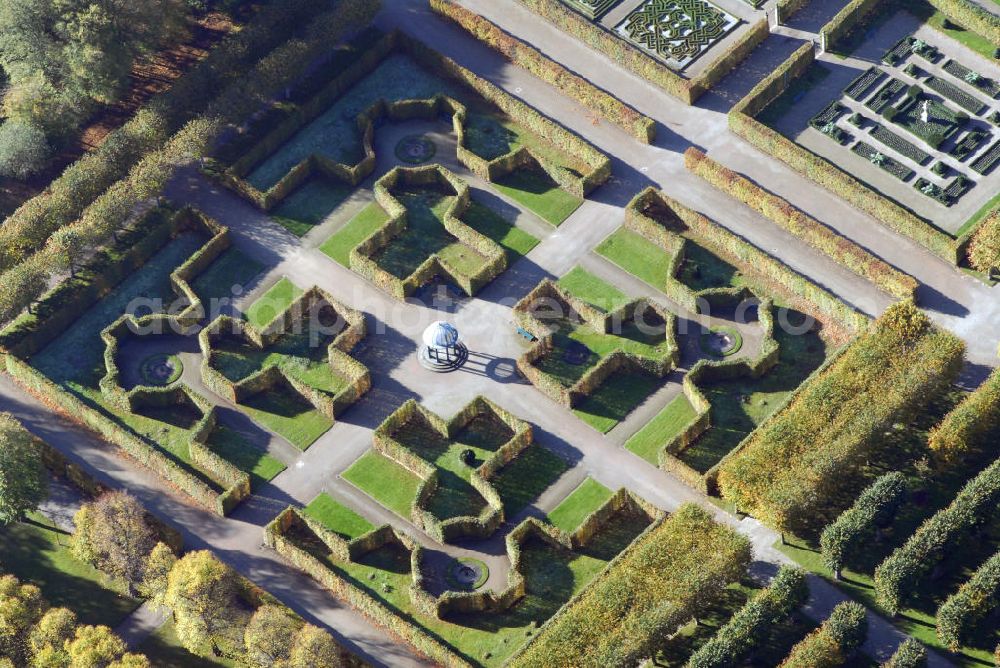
{"type": "Point", "coordinates": [440, 334]}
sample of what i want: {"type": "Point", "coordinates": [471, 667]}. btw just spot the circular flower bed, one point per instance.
{"type": "Point", "coordinates": [721, 342]}
{"type": "Point", "coordinates": [415, 149]}
{"type": "Point", "coordinates": [467, 574]}
{"type": "Point", "coordinates": [161, 369]}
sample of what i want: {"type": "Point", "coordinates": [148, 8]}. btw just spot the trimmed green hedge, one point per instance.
{"type": "Point", "coordinates": [642, 64]}
{"type": "Point", "coordinates": [904, 570]}
{"type": "Point", "coordinates": [656, 585]}
{"type": "Point", "coordinates": [875, 507]}
{"type": "Point", "coordinates": [752, 624]}
{"type": "Point", "coordinates": [792, 466]}
{"type": "Point", "coordinates": [966, 428]}
{"type": "Point", "coordinates": [845, 21]}
{"type": "Point", "coordinates": [972, 17]}
{"type": "Point", "coordinates": [909, 654]}
{"type": "Point", "coordinates": [835, 642]}
{"type": "Point", "coordinates": [959, 616]}
{"type": "Point", "coordinates": [819, 236]}
{"type": "Point", "coordinates": [609, 107]}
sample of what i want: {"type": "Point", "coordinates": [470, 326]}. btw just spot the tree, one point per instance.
{"type": "Point", "coordinates": [69, 243]}
{"type": "Point", "coordinates": [48, 638]}
{"type": "Point", "coordinates": [94, 647]}
{"type": "Point", "coordinates": [24, 481]}
{"type": "Point", "coordinates": [269, 634]}
{"type": "Point", "coordinates": [24, 150]}
{"type": "Point", "coordinates": [21, 605]}
{"type": "Point", "coordinates": [314, 648]}
{"type": "Point", "coordinates": [205, 596]}
{"type": "Point", "coordinates": [909, 654]}
{"type": "Point", "coordinates": [131, 660]}
{"type": "Point", "coordinates": [157, 572]}
{"type": "Point", "coordinates": [114, 535]}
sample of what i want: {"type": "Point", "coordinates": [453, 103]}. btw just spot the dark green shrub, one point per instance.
{"type": "Point", "coordinates": [909, 654]}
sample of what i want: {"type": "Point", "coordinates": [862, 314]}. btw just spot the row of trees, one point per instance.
{"type": "Point", "coordinates": [835, 642]}
{"type": "Point", "coordinates": [33, 634]}
{"type": "Point", "coordinates": [64, 58]}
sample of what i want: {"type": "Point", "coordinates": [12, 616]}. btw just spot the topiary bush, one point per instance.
{"type": "Point", "coordinates": [24, 150]}
{"type": "Point", "coordinates": [909, 654]}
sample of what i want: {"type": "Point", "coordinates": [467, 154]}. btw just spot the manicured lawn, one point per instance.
{"type": "Point", "coordinates": [275, 301]}
{"type": "Point", "coordinates": [337, 517]}
{"type": "Point", "coordinates": [300, 355]}
{"type": "Point", "coordinates": [231, 446]}
{"type": "Point", "coordinates": [309, 206]}
{"type": "Point", "coordinates": [973, 40]}
{"type": "Point", "coordinates": [286, 414]}
{"type": "Point", "coordinates": [38, 552]}
{"type": "Point", "coordinates": [581, 502]}
{"type": "Point", "coordinates": [595, 291]}
{"type": "Point", "coordinates": [531, 473]}
{"type": "Point", "coordinates": [617, 396]}
{"type": "Point", "coordinates": [553, 575]}
{"type": "Point", "coordinates": [636, 255]}
{"type": "Point", "coordinates": [339, 246]}
{"type": "Point", "coordinates": [649, 440]}
{"type": "Point", "coordinates": [231, 269]}
{"type": "Point", "coordinates": [164, 650]}
{"type": "Point", "coordinates": [536, 190]}
{"type": "Point", "coordinates": [516, 242]}
{"type": "Point", "coordinates": [385, 481]}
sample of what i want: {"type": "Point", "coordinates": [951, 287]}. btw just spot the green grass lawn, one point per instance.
{"type": "Point", "coordinates": [554, 575]}
{"type": "Point", "coordinates": [582, 501]}
{"type": "Point", "coordinates": [385, 481]}
{"type": "Point", "coordinates": [231, 446]}
{"type": "Point", "coordinates": [740, 404]}
{"type": "Point", "coordinates": [231, 269]}
{"type": "Point", "coordinates": [282, 411]}
{"type": "Point", "coordinates": [979, 215]}
{"type": "Point", "coordinates": [649, 440]}
{"type": "Point", "coordinates": [516, 242]}
{"type": "Point", "coordinates": [973, 40]}
{"type": "Point", "coordinates": [595, 291]}
{"type": "Point", "coordinates": [337, 517]}
{"type": "Point", "coordinates": [339, 246]}
{"type": "Point", "coordinates": [637, 255]}
{"type": "Point", "coordinates": [535, 190]}
{"type": "Point", "coordinates": [272, 303]}
{"type": "Point", "coordinates": [164, 650]}
{"type": "Point", "coordinates": [38, 552]}
{"type": "Point", "coordinates": [521, 481]}
{"type": "Point", "coordinates": [617, 396]}
{"type": "Point", "coordinates": [310, 205]}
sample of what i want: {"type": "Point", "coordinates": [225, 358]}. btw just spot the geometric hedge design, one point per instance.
{"type": "Point", "coordinates": [676, 30]}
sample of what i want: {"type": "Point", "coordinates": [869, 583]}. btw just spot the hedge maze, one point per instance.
{"type": "Point", "coordinates": [302, 357]}
{"type": "Point", "coordinates": [677, 31]}
{"type": "Point", "coordinates": [387, 573]}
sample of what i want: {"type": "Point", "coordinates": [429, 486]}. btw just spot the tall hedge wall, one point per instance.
{"type": "Point", "coordinates": [609, 107]}
{"type": "Point", "coordinates": [972, 17]}
{"type": "Point", "coordinates": [968, 427]}
{"type": "Point", "coordinates": [659, 583]}
{"type": "Point", "coordinates": [807, 228]}
{"type": "Point", "coordinates": [959, 616]}
{"type": "Point", "coordinates": [793, 465]}
{"type": "Point", "coordinates": [852, 15]}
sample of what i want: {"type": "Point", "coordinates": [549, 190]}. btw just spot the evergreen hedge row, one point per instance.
{"type": "Point", "coordinates": [790, 467]}
{"type": "Point", "coordinates": [846, 20]}
{"type": "Point", "coordinates": [968, 427]}
{"type": "Point", "coordinates": [833, 643]}
{"type": "Point", "coordinates": [96, 197]}
{"type": "Point", "coordinates": [972, 17]}
{"type": "Point", "coordinates": [902, 573]}
{"type": "Point", "coordinates": [660, 582]}
{"type": "Point", "coordinates": [959, 616]}
{"type": "Point", "coordinates": [644, 65]}
{"type": "Point", "coordinates": [524, 55]}
{"type": "Point", "coordinates": [743, 123]}
{"type": "Point", "coordinates": [909, 654]}
{"type": "Point", "coordinates": [819, 236]}
{"type": "Point", "coordinates": [752, 624]}
{"type": "Point", "coordinates": [874, 508]}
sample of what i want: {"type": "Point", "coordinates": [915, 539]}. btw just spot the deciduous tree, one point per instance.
{"type": "Point", "coordinates": [114, 534]}
{"type": "Point", "coordinates": [24, 481]}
